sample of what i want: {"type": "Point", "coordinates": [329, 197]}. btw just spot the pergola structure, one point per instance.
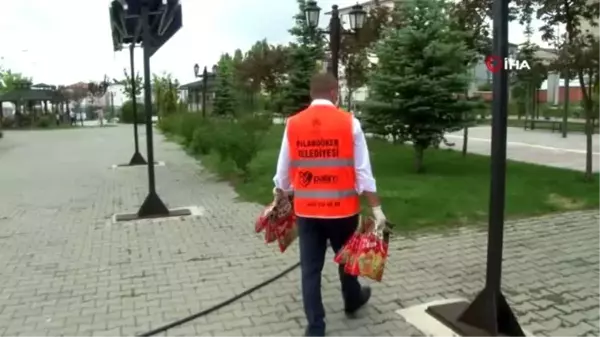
{"type": "Point", "coordinates": [26, 97]}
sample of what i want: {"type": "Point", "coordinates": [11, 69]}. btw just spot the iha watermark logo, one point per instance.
{"type": "Point", "coordinates": [496, 63]}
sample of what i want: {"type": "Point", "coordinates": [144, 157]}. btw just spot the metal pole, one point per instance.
{"type": "Point", "coordinates": [498, 151]}
{"type": "Point", "coordinates": [335, 39]}
{"type": "Point", "coordinates": [133, 98]}
{"type": "Point", "coordinates": [137, 158]}
{"type": "Point", "coordinates": [112, 104]}
{"type": "Point", "coordinates": [148, 98]}
{"type": "Point", "coordinates": [152, 206]}
{"type": "Point", "coordinates": [204, 84]}
{"type": "Point", "coordinates": [565, 121]}
{"type": "Point", "coordinates": [489, 313]}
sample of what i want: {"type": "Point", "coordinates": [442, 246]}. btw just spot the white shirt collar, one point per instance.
{"type": "Point", "coordinates": [321, 101]}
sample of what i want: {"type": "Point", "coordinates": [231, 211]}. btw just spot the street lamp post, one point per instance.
{"type": "Point", "coordinates": [357, 17]}
{"type": "Point", "coordinates": [137, 158]}
{"type": "Point", "coordinates": [490, 314]}
{"type": "Point", "coordinates": [205, 76]}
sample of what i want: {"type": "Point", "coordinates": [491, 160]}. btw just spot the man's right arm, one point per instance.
{"type": "Point", "coordinates": [282, 174]}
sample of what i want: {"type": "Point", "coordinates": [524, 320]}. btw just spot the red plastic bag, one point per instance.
{"type": "Point", "coordinates": [366, 253]}
{"type": "Point", "coordinates": [287, 232]}
{"type": "Point", "coordinates": [263, 218]}
{"type": "Point", "coordinates": [345, 254]}
{"type": "Point", "coordinates": [369, 258]}
{"type": "Point", "coordinates": [278, 221]}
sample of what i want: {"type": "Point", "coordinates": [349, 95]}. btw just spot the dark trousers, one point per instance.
{"type": "Point", "coordinates": [313, 234]}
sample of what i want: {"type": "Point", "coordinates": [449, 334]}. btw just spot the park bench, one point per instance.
{"type": "Point", "coordinates": [555, 124]}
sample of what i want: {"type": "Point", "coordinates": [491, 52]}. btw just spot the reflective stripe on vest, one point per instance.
{"type": "Point", "coordinates": [304, 163]}
{"type": "Point", "coordinates": [325, 194]}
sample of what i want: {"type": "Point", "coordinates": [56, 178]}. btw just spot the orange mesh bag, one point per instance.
{"type": "Point", "coordinates": [371, 252]}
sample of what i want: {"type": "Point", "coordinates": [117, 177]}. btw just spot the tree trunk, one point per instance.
{"type": "Point", "coordinates": [589, 130]}
{"type": "Point", "coordinates": [465, 141]}
{"type": "Point", "coordinates": [349, 101]}
{"type": "Point", "coordinates": [465, 131]}
{"type": "Point", "coordinates": [566, 107]}
{"type": "Point", "coordinates": [419, 152]}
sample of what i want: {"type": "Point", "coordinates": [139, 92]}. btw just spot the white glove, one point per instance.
{"type": "Point", "coordinates": [380, 219]}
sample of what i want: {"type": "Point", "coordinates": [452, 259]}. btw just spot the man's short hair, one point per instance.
{"type": "Point", "coordinates": [322, 84]}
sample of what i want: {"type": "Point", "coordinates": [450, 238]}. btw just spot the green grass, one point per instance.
{"type": "Point", "coordinates": [453, 190]}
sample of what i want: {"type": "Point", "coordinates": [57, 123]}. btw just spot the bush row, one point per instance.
{"type": "Point", "coordinates": [42, 121]}
{"type": "Point", "coordinates": [127, 113]}
{"type": "Point", "coordinates": [234, 141]}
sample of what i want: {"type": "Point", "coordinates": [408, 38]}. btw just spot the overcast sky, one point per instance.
{"type": "Point", "coordinates": [66, 41]}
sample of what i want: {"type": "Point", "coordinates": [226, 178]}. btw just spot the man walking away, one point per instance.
{"type": "Point", "coordinates": [324, 162]}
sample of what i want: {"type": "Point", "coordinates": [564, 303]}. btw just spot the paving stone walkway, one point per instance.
{"type": "Point", "coordinates": [66, 270]}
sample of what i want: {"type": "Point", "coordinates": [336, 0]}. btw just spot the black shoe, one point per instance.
{"type": "Point", "coordinates": [309, 332]}
{"type": "Point", "coordinates": [364, 298]}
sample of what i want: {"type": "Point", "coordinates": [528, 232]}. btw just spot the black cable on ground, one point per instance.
{"type": "Point", "coordinates": [220, 305]}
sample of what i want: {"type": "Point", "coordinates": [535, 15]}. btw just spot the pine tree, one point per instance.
{"type": "Point", "coordinates": [303, 59]}
{"type": "Point", "coordinates": [417, 88]}
{"type": "Point", "coordinates": [224, 103]}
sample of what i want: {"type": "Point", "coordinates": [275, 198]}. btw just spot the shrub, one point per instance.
{"type": "Point", "coordinates": [8, 122]}
{"type": "Point", "coordinates": [45, 121]}
{"type": "Point", "coordinates": [188, 122]}
{"type": "Point", "coordinates": [127, 113]}
{"type": "Point", "coordinates": [203, 138]}
{"type": "Point", "coordinates": [169, 124]}
{"type": "Point", "coordinates": [1, 134]}
{"type": "Point", "coordinates": [241, 140]}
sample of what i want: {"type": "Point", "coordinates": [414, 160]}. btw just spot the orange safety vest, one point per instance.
{"type": "Point", "coordinates": [321, 144]}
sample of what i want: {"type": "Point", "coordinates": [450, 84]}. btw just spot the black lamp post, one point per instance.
{"type": "Point", "coordinates": [490, 314]}
{"type": "Point", "coordinates": [205, 76]}
{"type": "Point", "coordinates": [137, 158]}
{"type": "Point", "coordinates": [357, 20]}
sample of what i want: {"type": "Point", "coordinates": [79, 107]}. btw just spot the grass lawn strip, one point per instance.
{"type": "Point", "coordinates": [453, 190]}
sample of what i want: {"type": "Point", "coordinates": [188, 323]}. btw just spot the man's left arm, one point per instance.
{"type": "Point", "coordinates": [365, 182]}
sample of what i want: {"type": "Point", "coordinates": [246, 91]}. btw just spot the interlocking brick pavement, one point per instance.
{"type": "Point", "coordinates": [65, 270]}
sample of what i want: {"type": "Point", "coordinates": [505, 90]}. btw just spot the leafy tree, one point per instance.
{"type": "Point", "coordinates": [577, 53]}
{"type": "Point", "coordinates": [97, 90]}
{"type": "Point", "coordinates": [224, 103]}
{"type": "Point", "coordinates": [246, 83]}
{"type": "Point", "coordinates": [165, 87]}
{"type": "Point", "coordinates": [264, 67]}
{"type": "Point", "coordinates": [470, 17]}
{"type": "Point", "coordinates": [422, 72]}
{"type": "Point", "coordinates": [527, 81]}
{"type": "Point", "coordinates": [127, 82]}
{"type": "Point", "coordinates": [296, 94]}
{"type": "Point", "coordinates": [303, 58]}
{"type": "Point", "coordinates": [9, 80]}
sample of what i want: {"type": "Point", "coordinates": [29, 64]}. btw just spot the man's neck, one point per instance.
{"type": "Point", "coordinates": [321, 101]}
